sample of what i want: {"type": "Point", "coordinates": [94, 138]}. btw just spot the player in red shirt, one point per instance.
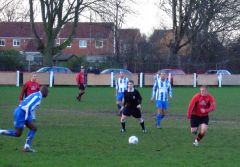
{"type": "Point", "coordinates": [80, 79]}
{"type": "Point", "coordinates": [29, 87]}
{"type": "Point", "coordinates": [200, 105]}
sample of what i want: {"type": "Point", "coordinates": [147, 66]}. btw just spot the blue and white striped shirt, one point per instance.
{"type": "Point", "coordinates": [161, 89]}
{"type": "Point", "coordinates": [31, 103]}
{"type": "Point", "coordinates": [121, 84]}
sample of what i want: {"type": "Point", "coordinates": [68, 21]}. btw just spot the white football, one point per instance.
{"type": "Point", "coordinates": [133, 140]}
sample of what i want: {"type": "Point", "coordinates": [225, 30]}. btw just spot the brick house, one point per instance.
{"type": "Point", "coordinates": [93, 40]}
{"type": "Point", "coordinates": [19, 36]}
{"type": "Point", "coordinates": [129, 39]}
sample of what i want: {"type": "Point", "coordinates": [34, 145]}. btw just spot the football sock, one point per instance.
{"type": "Point", "coordinates": [200, 136]}
{"type": "Point", "coordinates": [142, 125]}
{"type": "Point", "coordinates": [162, 116]}
{"type": "Point", "coordinates": [30, 137]}
{"type": "Point", "coordinates": [158, 117]}
{"type": "Point", "coordinates": [123, 125]}
{"type": "Point", "coordinates": [8, 133]}
{"type": "Point", "coordinates": [80, 95]}
{"type": "Point", "coordinates": [119, 106]}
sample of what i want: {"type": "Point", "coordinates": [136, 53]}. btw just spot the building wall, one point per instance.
{"type": "Point", "coordinates": [9, 43]}
{"type": "Point", "coordinates": [107, 48]}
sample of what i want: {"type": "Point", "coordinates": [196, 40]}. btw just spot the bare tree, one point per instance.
{"type": "Point", "coordinates": [199, 16]}
{"type": "Point", "coordinates": [116, 11]}
{"type": "Point", "coordinates": [55, 14]}
{"type": "Point", "coordinates": [4, 4]}
{"type": "Point", "coordinates": [13, 10]}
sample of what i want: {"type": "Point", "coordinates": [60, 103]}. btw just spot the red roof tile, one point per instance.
{"type": "Point", "coordinates": [128, 34]}
{"type": "Point", "coordinates": [19, 29]}
{"type": "Point", "coordinates": [88, 30]}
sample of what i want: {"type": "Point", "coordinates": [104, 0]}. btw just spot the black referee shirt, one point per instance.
{"type": "Point", "coordinates": [132, 98]}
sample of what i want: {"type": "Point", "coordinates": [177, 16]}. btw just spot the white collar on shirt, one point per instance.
{"type": "Point", "coordinates": [131, 90]}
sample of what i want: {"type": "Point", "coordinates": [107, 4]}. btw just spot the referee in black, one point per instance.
{"type": "Point", "coordinates": [131, 106]}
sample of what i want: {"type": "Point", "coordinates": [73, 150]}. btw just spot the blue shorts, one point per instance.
{"type": "Point", "coordinates": [19, 118]}
{"type": "Point", "coordinates": [120, 96]}
{"type": "Point", "coordinates": [162, 104]}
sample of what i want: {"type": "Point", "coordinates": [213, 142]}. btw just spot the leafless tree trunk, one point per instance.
{"type": "Point", "coordinates": [55, 14]}
{"type": "Point", "coordinates": [196, 16]}
{"type": "Point", "coordinates": [115, 12]}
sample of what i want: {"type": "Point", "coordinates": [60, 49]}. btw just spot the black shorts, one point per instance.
{"type": "Point", "coordinates": [81, 87]}
{"type": "Point", "coordinates": [135, 112]}
{"type": "Point", "coordinates": [196, 120]}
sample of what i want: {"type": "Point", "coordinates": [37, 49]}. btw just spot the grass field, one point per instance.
{"type": "Point", "coordinates": [86, 134]}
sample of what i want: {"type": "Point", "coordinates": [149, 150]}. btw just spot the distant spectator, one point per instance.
{"type": "Point", "coordinates": [93, 70]}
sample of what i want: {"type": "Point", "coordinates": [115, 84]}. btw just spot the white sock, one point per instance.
{"type": "Point", "coordinates": [1, 131]}
{"type": "Point", "coordinates": [26, 146]}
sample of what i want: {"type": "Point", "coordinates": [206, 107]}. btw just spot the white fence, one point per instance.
{"type": "Point", "coordinates": [14, 78]}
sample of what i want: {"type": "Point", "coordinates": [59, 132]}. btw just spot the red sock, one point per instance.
{"type": "Point", "coordinates": [200, 136]}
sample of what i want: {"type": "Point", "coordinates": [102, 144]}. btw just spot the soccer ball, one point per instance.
{"type": "Point", "coordinates": [133, 140]}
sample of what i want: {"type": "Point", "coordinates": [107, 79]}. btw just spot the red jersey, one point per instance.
{"type": "Point", "coordinates": [80, 78]}
{"type": "Point", "coordinates": [199, 102]}
{"type": "Point", "coordinates": [28, 88]}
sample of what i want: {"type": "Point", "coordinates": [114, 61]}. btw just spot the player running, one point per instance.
{"type": "Point", "coordinates": [132, 105]}
{"type": "Point", "coordinates": [161, 90]}
{"type": "Point", "coordinates": [80, 79]}
{"type": "Point", "coordinates": [23, 116]}
{"type": "Point", "coordinates": [121, 86]}
{"type": "Point", "coordinates": [200, 105]}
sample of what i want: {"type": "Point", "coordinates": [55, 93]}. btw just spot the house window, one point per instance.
{"type": "Point", "coordinates": [99, 43]}
{"type": "Point", "coordinates": [82, 43]}
{"type": "Point", "coordinates": [2, 42]}
{"type": "Point", "coordinates": [16, 42]}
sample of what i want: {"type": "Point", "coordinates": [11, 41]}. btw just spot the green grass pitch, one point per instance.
{"type": "Point", "coordinates": [86, 134]}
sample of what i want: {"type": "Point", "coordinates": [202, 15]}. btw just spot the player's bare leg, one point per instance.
{"type": "Point", "coordinates": [194, 130]}
{"type": "Point", "coordinates": [203, 130]}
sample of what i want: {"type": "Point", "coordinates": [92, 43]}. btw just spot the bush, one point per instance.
{"type": "Point", "coordinates": [12, 60]}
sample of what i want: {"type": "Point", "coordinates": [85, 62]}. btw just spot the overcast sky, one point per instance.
{"type": "Point", "coordinates": [147, 18]}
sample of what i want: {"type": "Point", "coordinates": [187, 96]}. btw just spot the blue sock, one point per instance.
{"type": "Point", "coordinates": [162, 116]}
{"type": "Point", "coordinates": [10, 132]}
{"type": "Point", "coordinates": [119, 106]}
{"type": "Point", "coordinates": [30, 137]}
{"type": "Point", "coordinates": [159, 117]}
